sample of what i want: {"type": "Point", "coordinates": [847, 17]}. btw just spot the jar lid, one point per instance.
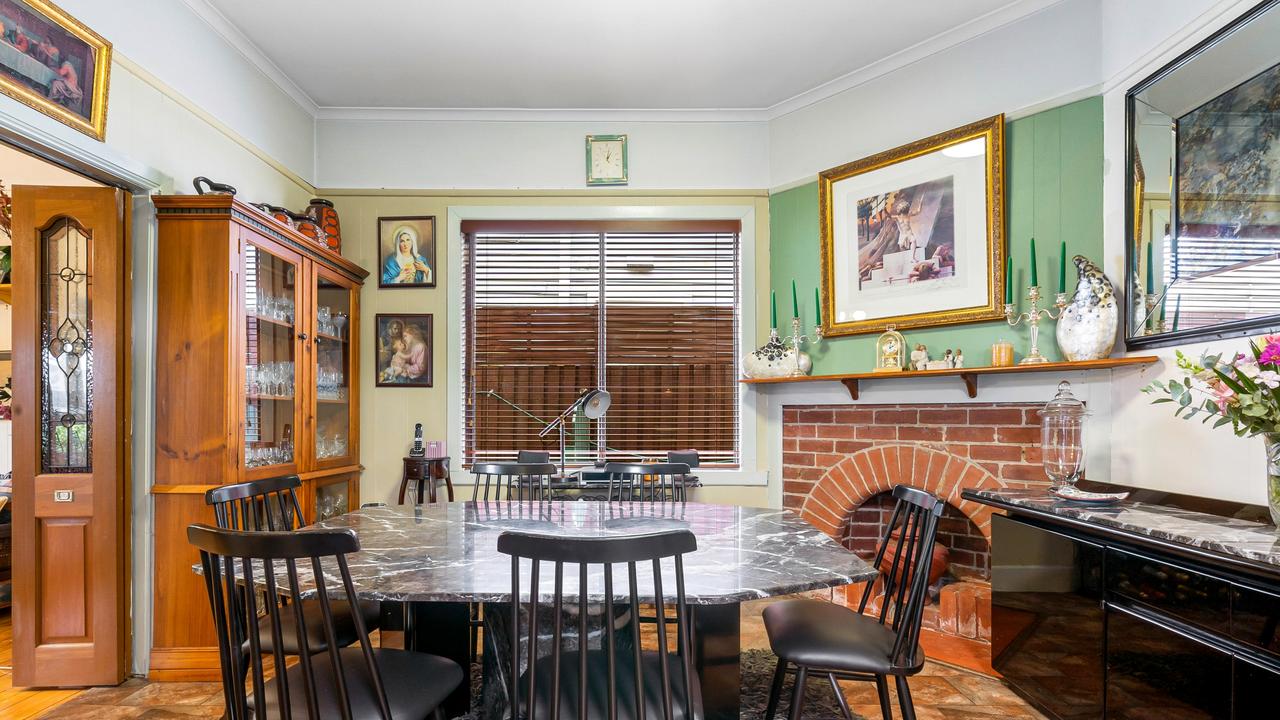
{"type": "Point", "coordinates": [1064, 403]}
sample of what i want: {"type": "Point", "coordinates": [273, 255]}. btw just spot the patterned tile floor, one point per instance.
{"type": "Point", "coordinates": [941, 693]}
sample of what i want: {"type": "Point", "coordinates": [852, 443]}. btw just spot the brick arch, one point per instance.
{"type": "Point", "coordinates": [867, 473]}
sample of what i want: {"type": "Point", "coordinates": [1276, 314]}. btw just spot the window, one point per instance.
{"type": "Point", "coordinates": [645, 310]}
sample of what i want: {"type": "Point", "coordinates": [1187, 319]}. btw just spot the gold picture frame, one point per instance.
{"type": "Point", "coordinates": [54, 64]}
{"type": "Point", "coordinates": [835, 321]}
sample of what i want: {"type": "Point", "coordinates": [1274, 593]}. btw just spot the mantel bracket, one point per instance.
{"type": "Point", "coordinates": [852, 385]}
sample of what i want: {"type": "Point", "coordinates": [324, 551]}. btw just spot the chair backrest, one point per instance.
{"type": "Point", "coordinates": [270, 504]}
{"type": "Point", "coordinates": [533, 456]}
{"type": "Point", "coordinates": [659, 482]}
{"type": "Point", "coordinates": [910, 535]}
{"type": "Point", "coordinates": [235, 561]}
{"type": "Point", "coordinates": [625, 677]}
{"type": "Point", "coordinates": [512, 481]}
{"type": "Point", "coordinates": [688, 457]}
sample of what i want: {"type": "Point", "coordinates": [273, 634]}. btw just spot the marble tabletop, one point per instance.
{"type": "Point", "coordinates": [448, 551]}
{"type": "Point", "coordinates": [1231, 536]}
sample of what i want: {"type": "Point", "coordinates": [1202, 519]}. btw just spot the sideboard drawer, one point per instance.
{"type": "Point", "coordinates": [1255, 618]}
{"type": "Point", "coordinates": [1178, 591]}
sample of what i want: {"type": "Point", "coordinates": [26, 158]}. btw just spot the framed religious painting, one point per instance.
{"type": "Point", "coordinates": [53, 63]}
{"type": "Point", "coordinates": [407, 252]}
{"type": "Point", "coordinates": [914, 236]}
{"type": "Point", "coordinates": [403, 349]}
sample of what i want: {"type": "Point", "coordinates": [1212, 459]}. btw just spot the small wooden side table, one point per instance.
{"type": "Point", "coordinates": [425, 473]}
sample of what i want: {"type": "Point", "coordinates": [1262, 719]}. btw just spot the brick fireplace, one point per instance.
{"type": "Point", "coordinates": [841, 461]}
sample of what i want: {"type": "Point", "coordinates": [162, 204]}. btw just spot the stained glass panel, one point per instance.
{"type": "Point", "coordinates": [66, 333]}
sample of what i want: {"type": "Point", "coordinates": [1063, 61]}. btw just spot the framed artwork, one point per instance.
{"type": "Point", "coordinates": [407, 250]}
{"type": "Point", "coordinates": [53, 63]}
{"type": "Point", "coordinates": [403, 349]}
{"type": "Point", "coordinates": [914, 236]}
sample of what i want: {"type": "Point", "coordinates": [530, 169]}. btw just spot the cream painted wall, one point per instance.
{"type": "Point", "coordinates": [536, 155]}
{"type": "Point", "coordinates": [1150, 448]}
{"type": "Point", "coordinates": [388, 414]}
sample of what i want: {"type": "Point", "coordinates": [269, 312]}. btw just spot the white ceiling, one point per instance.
{"type": "Point", "coordinates": [591, 54]}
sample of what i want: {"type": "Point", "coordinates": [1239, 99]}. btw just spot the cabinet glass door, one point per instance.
{"type": "Point", "coordinates": [334, 370]}
{"type": "Point", "coordinates": [270, 372]}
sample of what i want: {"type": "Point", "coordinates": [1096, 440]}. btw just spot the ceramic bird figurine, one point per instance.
{"type": "Point", "coordinates": [1087, 328]}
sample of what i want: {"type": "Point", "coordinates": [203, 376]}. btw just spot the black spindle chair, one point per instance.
{"type": "Point", "coordinates": [272, 505]}
{"type": "Point", "coordinates": [512, 481]}
{"type": "Point", "coordinates": [533, 456]}
{"type": "Point", "coordinates": [611, 681]}
{"type": "Point", "coordinates": [652, 482]}
{"type": "Point", "coordinates": [873, 643]}
{"type": "Point", "coordinates": [248, 574]}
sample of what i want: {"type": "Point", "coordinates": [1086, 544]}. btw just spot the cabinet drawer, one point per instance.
{"type": "Point", "coordinates": [1255, 618]}
{"type": "Point", "coordinates": [1178, 591]}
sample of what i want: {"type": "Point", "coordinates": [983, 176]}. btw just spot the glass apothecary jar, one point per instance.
{"type": "Point", "coordinates": [1062, 436]}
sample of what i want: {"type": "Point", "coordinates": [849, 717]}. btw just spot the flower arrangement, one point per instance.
{"type": "Point", "coordinates": [1242, 390]}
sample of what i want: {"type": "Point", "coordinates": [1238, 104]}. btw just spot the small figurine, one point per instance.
{"type": "Point", "coordinates": [919, 357]}
{"type": "Point", "coordinates": [959, 358]}
{"type": "Point", "coordinates": [949, 359]}
{"type": "Point", "coordinates": [417, 450]}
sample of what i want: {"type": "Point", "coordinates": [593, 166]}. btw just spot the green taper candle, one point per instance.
{"type": "Point", "coordinates": [1008, 279]}
{"type": "Point", "coordinates": [795, 302]}
{"type": "Point", "coordinates": [1177, 310]}
{"type": "Point", "coordinates": [773, 309]}
{"type": "Point", "coordinates": [817, 312]}
{"type": "Point", "coordinates": [1035, 280]}
{"type": "Point", "coordinates": [1151, 268]}
{"type": "Point", "coordinates": [1062, 269]}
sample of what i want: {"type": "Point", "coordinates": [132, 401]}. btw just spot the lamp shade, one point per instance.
{"type": "Point", "coordinates": [595, 403]}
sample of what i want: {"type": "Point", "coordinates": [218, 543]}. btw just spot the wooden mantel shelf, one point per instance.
{"type": "Point", "coordinates": [968, 375]}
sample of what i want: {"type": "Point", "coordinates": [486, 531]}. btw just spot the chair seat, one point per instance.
{"type": "Point", "coordinates": [598, 687]}
{"type": "Point", "coordinates": [415, 683]}
{"type": "Point", "coordinates": [824, 635]}
{"type": "Point", "coordinates": [344, 625]}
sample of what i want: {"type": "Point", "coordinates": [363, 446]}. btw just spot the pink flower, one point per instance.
{"type": "Point", "coordinates": [1222, 395]}
{"type": "Point", "coordinates": [1271, 353]}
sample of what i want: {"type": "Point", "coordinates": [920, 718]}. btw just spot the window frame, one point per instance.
{"type": "Point", "coordinates": [752, 418]}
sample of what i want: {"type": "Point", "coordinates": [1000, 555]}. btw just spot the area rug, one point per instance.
{"type": "Point", "coordinates": [757, 675]}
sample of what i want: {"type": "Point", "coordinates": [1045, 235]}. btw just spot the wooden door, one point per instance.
{"type": "Point", "coordinates": [70, 402]}
{"type": "Point", "coordinates": [333, 432]}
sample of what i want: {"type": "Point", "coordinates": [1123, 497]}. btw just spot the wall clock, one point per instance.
{"type": "Point", "coordinates": [606, 159]}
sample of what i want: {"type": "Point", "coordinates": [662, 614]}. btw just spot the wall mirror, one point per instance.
{"type": "Point", "coordinates": [1203, 189]}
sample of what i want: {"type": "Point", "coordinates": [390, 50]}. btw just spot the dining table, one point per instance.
{"type": "Point", "coordinates": [441, 559]}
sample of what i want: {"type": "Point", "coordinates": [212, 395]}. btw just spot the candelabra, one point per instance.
{"type": "Point", "coordinates": [1153, 325]}
{"type": "Point", "coordinates": [797, 341]}
{"type": "Point", "coordinates": [1032, 318]}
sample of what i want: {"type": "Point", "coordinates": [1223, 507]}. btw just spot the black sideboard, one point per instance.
{"type": "Point", "coordinates": [1135, 610]}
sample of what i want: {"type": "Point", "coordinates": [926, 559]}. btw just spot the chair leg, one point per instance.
{"type": "Point", "coordinates": [797, 693]}
{"type": "Point", "coordinates": [844, 704]}
{"type": "Point", "coordinates": [882, 689]}
{"type": "Point", "coordinates": [775, 691]}
{"type": "Point", "coordinates": [904, 698]}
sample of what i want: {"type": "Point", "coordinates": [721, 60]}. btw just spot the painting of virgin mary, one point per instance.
{"type": "Point", "coordinates": [408, 251]}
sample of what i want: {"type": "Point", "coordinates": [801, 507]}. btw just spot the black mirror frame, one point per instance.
{"type": "Point", "coordinates": [1221, 331]}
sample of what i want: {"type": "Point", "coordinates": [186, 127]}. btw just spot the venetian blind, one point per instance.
{"type": "Point", "coordinates": [647, 311]}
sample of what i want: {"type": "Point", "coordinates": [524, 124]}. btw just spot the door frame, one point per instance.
{"type": "Point", "coordinates": [98, 162]}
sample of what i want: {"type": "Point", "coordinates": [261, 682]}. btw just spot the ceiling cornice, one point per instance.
{"type": "Point", "coordinates": [941, 42]}
{"type": "Point", "coordinates": [251, 52]}
{"type": "Point", "coordinates": [974, 28]}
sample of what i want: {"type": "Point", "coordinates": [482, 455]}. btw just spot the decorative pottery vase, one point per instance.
{"type": "Point", "coordinates": [1087, 328]}
{"type": "Point", "coordinates": [323, 212]}
{"type": "Point", "coordinates": [937, 563]}
{"type": "Point", "coordinates": [205, 186]}
{"type": "Point", "coordinates": [774, 359]}
{"type": "Point", "coordinates": [279, 214]}
{"type": "Point", "coordinates": [308, 227]}
{"type": "Point", "coordinates": [1272, 441]}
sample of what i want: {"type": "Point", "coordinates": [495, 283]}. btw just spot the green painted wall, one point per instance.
{"type": "Point", "coordinates": [1053, 172]}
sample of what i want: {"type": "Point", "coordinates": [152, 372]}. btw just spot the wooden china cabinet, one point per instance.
{"type": "Point", "coordinates": [257, 359]}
